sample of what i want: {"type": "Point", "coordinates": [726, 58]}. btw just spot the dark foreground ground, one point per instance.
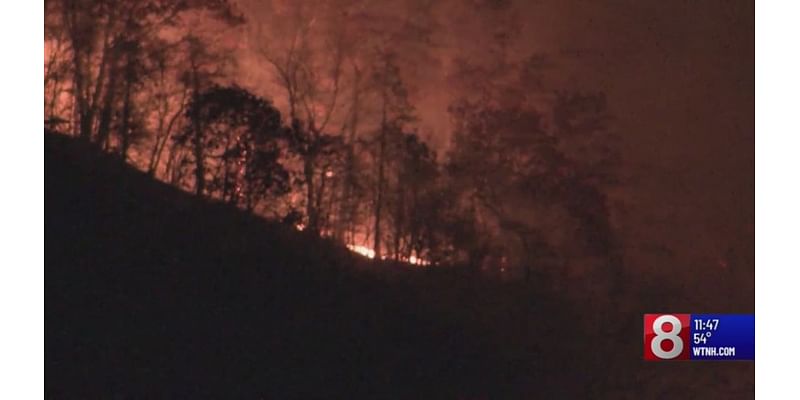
{"type": "Point", "coordinates": [151, 293]}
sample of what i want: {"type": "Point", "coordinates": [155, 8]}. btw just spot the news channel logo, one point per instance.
{"type": "Point", "coordinates": [710, 337]}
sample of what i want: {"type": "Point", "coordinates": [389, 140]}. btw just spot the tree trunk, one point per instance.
{"type": "Point", "coordinates": [81, 105]}
{"type": "Point", "coordinates": [199, 157]}
{"type": "Point", "coordinates": [346, 209]}
{"type": "Point", "coordinates": [125, 126]}
{"type": "Point", "coordinates": [197, 140]}
{"type": "Point", "coordinates": [227, 193]}
{"type": "Point", "coordinates": [79, 93]}
{"type": "Point", "coordinates": [104, 126]}
{"type": "Point", "coordinates": [381, 179]}
{"type": "Point", "coordinates": [308, 172]}
{"type": "Point", "coordinates": [320, 196]}
{"type": "Point", "coordinates": [399, 219]}
{"type": "Point", "coordinates": [164, 138]}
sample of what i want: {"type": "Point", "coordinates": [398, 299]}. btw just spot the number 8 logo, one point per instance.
{"type": "Point", "coordinates": [672, 336]}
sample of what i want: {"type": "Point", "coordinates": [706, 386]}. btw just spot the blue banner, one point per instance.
{"type": "Point", "coordinates": [722, 337]}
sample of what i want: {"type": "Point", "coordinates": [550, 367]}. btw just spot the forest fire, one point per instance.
{"type": "Point", "coordinates": [363, 250]}
{"type": "Point", "coordinates": [453, 199]}
{"type": "Point", "coordinates": [370, 253]}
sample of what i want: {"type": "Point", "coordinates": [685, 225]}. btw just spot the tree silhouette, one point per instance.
{"type": "Point", "coordinates": [236, 137]}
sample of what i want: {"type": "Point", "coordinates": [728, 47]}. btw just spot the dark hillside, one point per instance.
{"type": "Point", "coordinates": [152, 293]}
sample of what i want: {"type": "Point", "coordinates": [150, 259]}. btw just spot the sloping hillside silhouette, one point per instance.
{"type": "Point", "coordinates": [154, 293]}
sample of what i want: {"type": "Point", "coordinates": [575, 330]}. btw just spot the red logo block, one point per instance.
{"type": "Point", "coordinates": [666, 337]}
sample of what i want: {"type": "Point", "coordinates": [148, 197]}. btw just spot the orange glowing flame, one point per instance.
{"type": "Point", "coordinates": [363, 250]}
{"type": "Point", "coordinates": [370, 253]}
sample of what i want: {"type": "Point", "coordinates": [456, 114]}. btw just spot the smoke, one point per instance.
{"type": "Point", "coordinates": [678, 77]}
